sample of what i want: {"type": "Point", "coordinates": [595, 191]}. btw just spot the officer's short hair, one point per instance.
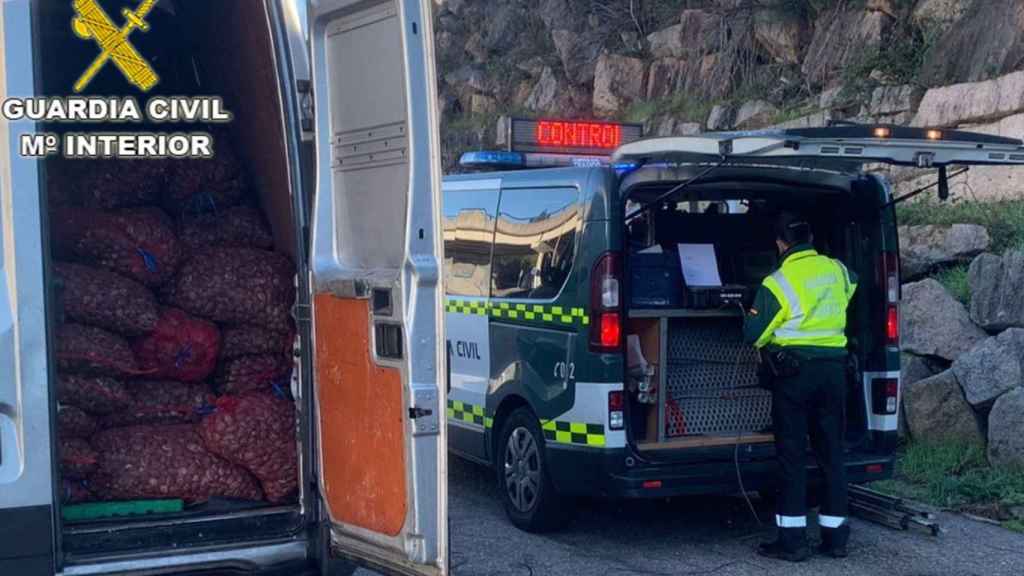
{"type": "Point", "coordinates": [792, 229]}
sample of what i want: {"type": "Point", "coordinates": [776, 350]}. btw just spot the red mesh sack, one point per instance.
{"type": "Point", "coordinates": [248, 340]}
{"type": "Point", "coordinates": [237, 285]}
{"type": "Point", "coordinates": [89, 350]}
{"type": "Point", "coordinates": [75, 492]}
{"type": "Point", "coordinates": [145, 462]}
{"type": "Point", "coordinates": [139, 244]}
{"type": "Point", "coordinates": [254, 374]}
{"type": "Point", "coordinates": [77, 458]}
{"type": "Point", "coordinates": [93, 394]}
{"type": "Point", "coordinates": [179, 348]}
{"type": "Point", "coordinates": [240, 227]}
{"type": "Point", "coordinates": [163, 402]}
{"type": "Point", "coordinates": [119, 183]}
{"type": "Point", "coordinates": [257, 432]}
{"type": "Point", "coordinates": [101, 298]}
{"type": "Point", "coordinates": [204, 185]}
{"type": "Point", "coordinates": [73, 422]}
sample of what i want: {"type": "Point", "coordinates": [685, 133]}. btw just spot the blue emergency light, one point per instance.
{"type": "Point", "coordinates": [496, 160]}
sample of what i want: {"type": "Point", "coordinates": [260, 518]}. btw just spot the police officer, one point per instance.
{"type": "Point", "coordinates": [798, 321]}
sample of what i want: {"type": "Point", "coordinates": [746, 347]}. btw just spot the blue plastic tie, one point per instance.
{"type": "Point", "coordinates": [278, 391]}
{"type": "Point", "coordinates": [149, 260]}
{"type": "Point", "coordinates": [183, 355]}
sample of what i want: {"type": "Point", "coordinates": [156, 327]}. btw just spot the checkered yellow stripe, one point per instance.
{"type": "Point", "coordinates": [580, 433]}
{"type": "Point", "coordinates": [468, 413]}
{"type": "Point", "coordinates": [539, 313]}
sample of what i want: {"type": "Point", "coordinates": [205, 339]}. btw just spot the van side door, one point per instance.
{"type": "Point", "coordinates": [536, 311]}
{"type": "Point", "coordinates": [376, 309]}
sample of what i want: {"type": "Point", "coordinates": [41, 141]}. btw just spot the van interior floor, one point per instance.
{"type": "Point", "coordinates": [706, 441]}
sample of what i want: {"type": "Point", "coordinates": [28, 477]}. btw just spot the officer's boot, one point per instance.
{"type": "Point", "coordinates": [791, 545]}
{"type": "Point", "coordinates": [833, 541]}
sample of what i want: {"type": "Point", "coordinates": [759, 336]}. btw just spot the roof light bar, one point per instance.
{"type": "Point", "coordinates": [493, 160]}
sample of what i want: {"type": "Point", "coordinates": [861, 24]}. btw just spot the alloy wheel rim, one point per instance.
{"type": "Point", "coordinates": [522, 469]}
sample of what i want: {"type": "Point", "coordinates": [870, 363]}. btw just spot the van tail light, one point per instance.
{"type": "Point", "coordinates": [605, 304]}
{"type": "Point", "coordinates": [890, 282]}
{"type": "Point", "coordinates": [884, 395]}
{"type": "Point", "coordinates": [892, 325]}
{"type": "Point", "coordinates": [616, 405]}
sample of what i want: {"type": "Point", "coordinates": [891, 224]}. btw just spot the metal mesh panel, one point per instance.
{"type": "Point", "coordinates": [709, 370]}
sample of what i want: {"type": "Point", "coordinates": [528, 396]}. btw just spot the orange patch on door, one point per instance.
{"type": "Point", "coordinates": [362, 431]}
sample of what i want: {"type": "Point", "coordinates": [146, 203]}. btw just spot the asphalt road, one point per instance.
{"type": "Point", "coordinates": [704, 536]}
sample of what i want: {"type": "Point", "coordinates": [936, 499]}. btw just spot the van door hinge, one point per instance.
{"type": "Point", "coordinates": [423, 412]}
{"type": "Point", "coordinates": [307, 109]}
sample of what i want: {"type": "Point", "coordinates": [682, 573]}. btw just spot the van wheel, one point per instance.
{"type": "Point", "coordinates": [531, 501]}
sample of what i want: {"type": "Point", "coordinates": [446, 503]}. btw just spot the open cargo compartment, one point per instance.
{"type": "Point", "coordinates": [218, 48]}
{"type": "Point", "coordinates": [700, 377]}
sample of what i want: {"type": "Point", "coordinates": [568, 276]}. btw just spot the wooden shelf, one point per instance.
{"type": "Point", "coordinates": [684, 313]}
{"type": "Point", "coordinates": [706, 442]}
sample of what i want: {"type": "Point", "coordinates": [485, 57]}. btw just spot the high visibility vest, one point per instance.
{"type": "Point", "coordinates": [814, 291]}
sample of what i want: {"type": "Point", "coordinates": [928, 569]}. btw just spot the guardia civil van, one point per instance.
{"type": "Point", "coordinates": [594, 311]}
{"type": "Point", "coordinates": [336, 126]}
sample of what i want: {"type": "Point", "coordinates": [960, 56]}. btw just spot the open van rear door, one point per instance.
{"type": "Point", "coordinates": [843, 148]}
{"type": "Point", "coordinates": [376, 310]}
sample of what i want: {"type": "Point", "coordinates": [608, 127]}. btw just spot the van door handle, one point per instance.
{"type": "Point", "coordinates": [448, 369]}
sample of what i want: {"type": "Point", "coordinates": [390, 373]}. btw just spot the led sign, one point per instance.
{"type": "Point", "coordinates": [571, 136]}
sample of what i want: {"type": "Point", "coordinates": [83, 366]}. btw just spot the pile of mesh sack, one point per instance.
{"type": "Point", "coordinates": [174, 334]}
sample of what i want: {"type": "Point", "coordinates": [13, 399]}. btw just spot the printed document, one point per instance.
{"type": "Point", "coordinates": [700, 266]}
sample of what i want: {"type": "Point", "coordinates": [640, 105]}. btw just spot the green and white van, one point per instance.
{"type": "Point", "coordinates": [568, 381]}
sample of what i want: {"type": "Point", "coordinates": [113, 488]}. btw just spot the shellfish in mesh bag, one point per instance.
{"type": "Point", "coordinates": [119, 183]}
{"type": "Point", "coordinates": [77, 458]}
{"type": "Point", "coordinates": [163, 402]}
{"type": "Point", "coordinates": [94, 394]}
{"type": "Point", "coordinates": [254, 374]}
{"type": "Point", "coordinates": [138, 243]}
{"type": "Point", "coordinates": [74, 422]}
{"type": "Point", "coordinates": [85, 349]}
{"type": "Point", "coordinates": [169, 461]}
{"type": "Point", "coordinates": [249, 340]}
{"type": "Point", "coordinates": [237, 285]}
{"type": "Point", "coordinates": [179, 348]}
{"type": "Point", "coordinates": [102, 298]}
{"type": "Point", "coordinates": [206, 184]}
{"type": "Point", "coordinates": [257, 432]}
{"type": "Point", "coordinates": [75, 492]}
{"type": "Point", "coordinates": [240, 226]}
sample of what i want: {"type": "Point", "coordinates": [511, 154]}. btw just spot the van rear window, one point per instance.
{"type": "Point", "coordinates": [534, 242]}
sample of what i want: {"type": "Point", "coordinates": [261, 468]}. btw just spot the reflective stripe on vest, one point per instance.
{"type": "Point", "coordinates": [814, 291]}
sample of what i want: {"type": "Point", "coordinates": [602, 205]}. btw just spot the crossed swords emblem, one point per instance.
{"type": "Point", "coordinates": [92, 22]}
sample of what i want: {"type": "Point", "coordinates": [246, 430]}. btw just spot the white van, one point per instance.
{"type": "Point", "coordinates": [349, 181]}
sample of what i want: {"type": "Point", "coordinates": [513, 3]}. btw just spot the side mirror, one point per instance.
{"type": "Point", "coordinates": [943, 184]}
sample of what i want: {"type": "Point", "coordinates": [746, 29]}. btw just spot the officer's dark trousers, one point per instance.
{"type": "Point", "coordinates": [811, 404]}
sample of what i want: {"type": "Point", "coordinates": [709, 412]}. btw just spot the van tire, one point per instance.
{"type": "Point", "coordinates": [541, 509]}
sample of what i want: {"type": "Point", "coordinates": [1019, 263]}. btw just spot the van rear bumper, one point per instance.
{"type": "Point", "coordinates": [604, 473]}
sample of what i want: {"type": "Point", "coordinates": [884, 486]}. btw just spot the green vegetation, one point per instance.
{"type": "Point", "coordinates": [680, 105]}
{"type": "Point", "coordinates": [957, 476]}
{"type": "Point", "coordinates": [791, 113]}
{"type": "Point", "coordinates": [1003, 219]}
{"type": "Point", "coordinates": [954, 279]}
